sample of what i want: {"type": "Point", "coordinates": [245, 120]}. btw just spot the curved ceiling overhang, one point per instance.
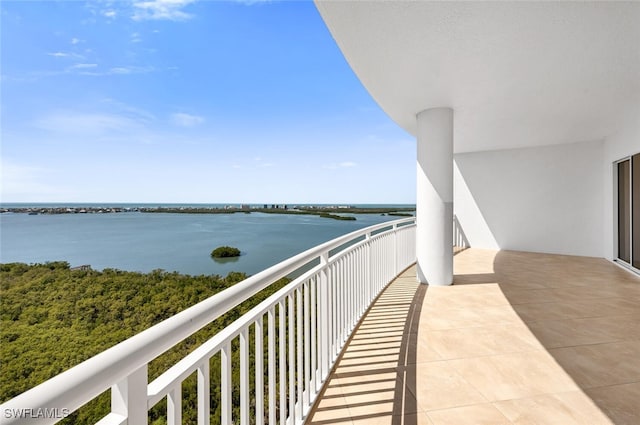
{"type": "Point", "coordinates": [516, 74]}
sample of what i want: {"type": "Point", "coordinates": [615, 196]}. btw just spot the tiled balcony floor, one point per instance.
{"type": "Point", "coordinates": [520, 338]}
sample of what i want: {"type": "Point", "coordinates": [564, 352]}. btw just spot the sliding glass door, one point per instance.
{"type": "Point", "coordinates": [628, 179]}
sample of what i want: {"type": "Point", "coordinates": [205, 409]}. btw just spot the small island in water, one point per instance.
{"type": "Point", "coordinates": [225, 252]}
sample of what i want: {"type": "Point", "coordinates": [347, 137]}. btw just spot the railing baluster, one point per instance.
{"type": "Point", "coordinates": [369, 272]}
{"type": "Point", "coordinates": [271, 335]}
{"type": "Point", "coordinates": [226, 385]}
{"type": "Point", "coordinates": [314, 334]}
{"type": "Point", "coordinates": [259, 371]}
{"type": "Point", "coordinates": [307, 344]}
{"type": "Point", "coordinates": [129, 397]}
{"type": "Point", "coordinates": [291, 347]}
{"type": "Point", "coordinates": [334, 310]}
{"type": "Point", "coordinates": [340, 283]}
{"type": "Point", "coordinates": [352, 297]}
{"type": "Point", "coordinates": [281, 357]}
{"type": "Point", "coordinates": [299, 370]}
{"type": "Point", "coordinates": [324, 317]}
{"type": "Point", "coordinates": [204, 389]}
{"type": "Point", "coordinates": [361, 280]}
{"type": "Point", "coordinates": [337, 301]}
{"type": "Point", "coordinates": [174, 406]}
{"type": "Point", "coordinates": [244, 377]}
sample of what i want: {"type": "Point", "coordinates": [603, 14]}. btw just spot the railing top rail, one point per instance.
{"type": "Point", "coordinates": [74, 387]}
{"type": "Point", "coordinates": [159, 387]}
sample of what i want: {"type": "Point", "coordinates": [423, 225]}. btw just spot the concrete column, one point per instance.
{"type": "Point", "coordinates": [434, 201]}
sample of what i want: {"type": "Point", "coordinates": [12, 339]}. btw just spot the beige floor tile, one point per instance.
{"type": "Point", "coordinates": [417, 349]}
{"type": "Point", "coordinates": [481, 341]}
{"type": "Point", "coordinates": [583, 293]}
{"type": "Point", "coordinates": [516, 375]}
{"type": "Point", "coordinates": [478, 414]}
{"type": "Point", "coordinates": [534, 312]}
{"type": "Point", "coordinates": [389, 398]}
{"type": "Point", "coordinates": [476, 261]}
{"type": "Point", "coordinates": [523, 296]}
{"type": "Point", "coordinates": [511, 284]}
{"type": "Point", "coordinates": [372, 322]}
{"type": "Point", "coordinates": [465, 296]}
{"type": "Point", "coordinates": [601, 364]}
{"type": "Point", "coordinates": [366, 367]}
{"type": "Point", "coordinates": [626, 327]}
{"type": "Point", "coordinates": [609, 306]}
{"type": "Point", "coordinates": [572, 408]}
{"type": "Point", "coordinates": [577, 309]}
{"type": "Point", "coordinates": [371, 360]}
{"type": "Point", "coordinates": [328, 417]}
{"type": "Point", "coordinates": [355, 352]}
{"type": "Point", "coordinates": [436, 385]}
{"type": "Point", "coordinates": [360, 340]}
{"type": "Point", "coordinates": [621, 403]}
{"type": "Point", "coordinates": [627, 290]}
{"type": "Point", "coordinates": [419, 418]}
{"type": "Point", "coordinates": [349, 381]}
{"type": "Point", "coordinates": [571, 332]}
{"type": "Point", "coordinates": [372, 357]}
{"type": "Point", "coordinates": [438, 318]}
{"type": "Point", "coordinates": [381, 333]}
{"type": "Point", "coordinates": [474, 279]}
{"type": "Point", "coordinates": [332, 406]}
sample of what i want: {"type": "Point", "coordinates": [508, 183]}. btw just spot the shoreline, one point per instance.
{"type": "Point", "coordinates": [321, 211]}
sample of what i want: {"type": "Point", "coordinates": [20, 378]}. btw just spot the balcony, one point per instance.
{"type": "Point", "coordinates": [519, 338]}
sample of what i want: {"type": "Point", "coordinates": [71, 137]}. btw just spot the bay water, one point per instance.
{"type": "Point", "coordinates": [143, 242]}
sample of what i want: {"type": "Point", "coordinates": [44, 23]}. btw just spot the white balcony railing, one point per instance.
{"type": "Point", "coordinates": [296, 333]}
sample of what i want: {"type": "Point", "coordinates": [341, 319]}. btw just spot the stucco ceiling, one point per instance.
{"type": "Point", "coordinates": [516, 73]}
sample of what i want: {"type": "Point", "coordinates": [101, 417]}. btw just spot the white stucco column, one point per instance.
{"type": "Point", "coordinates": [434, 200]}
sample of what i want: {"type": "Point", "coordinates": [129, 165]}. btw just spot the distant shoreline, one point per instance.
{"type": "Point", "coordinates": [333, 212]}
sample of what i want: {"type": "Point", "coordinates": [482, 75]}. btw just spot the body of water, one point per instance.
{"type": "Point", "coordinates": [173, 242]}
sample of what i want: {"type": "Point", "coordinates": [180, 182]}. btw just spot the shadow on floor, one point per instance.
{"type": "Point", "coordinates": [585, 312]}
{"type": "Point", "coordinates": [369, 384]}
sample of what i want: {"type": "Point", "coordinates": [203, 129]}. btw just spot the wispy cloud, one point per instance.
{"type": "Point", "coordinates": [65, 55]}
{"type": "Point", "coordinates": [84, 66]}
{"type": "Point", "coordinates": [161, 10]}
{"type": "Point", "coordinates": [135, 37]}
{"type": "Point", "coordinates": [128, 110]}
{"type": "Point", "coordinates": [109, 13]}
{"type": "Point", "coordinates": [118, 70]}
{"type": "Point", "coordinates": [86, 69]}
{"type": "Point", "coordinates": [186, 120]}
{"type": "Point", "coordinates": [87, 123]}
{"type": "Point", "coordinates": [123, 70]}
{"type": "Point", "coordinates": [75, 40]}
{"type": "Point", "coordinates": [109, 121]}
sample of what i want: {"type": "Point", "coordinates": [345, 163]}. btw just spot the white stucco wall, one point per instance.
{"type": "Point", "coordinates": [541, 199]}
{"type": "Point", "coordinates": [625, 142]}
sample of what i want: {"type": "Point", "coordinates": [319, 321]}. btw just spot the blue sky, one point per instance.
{"type": "Point", "coordinates": [189, 101]}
